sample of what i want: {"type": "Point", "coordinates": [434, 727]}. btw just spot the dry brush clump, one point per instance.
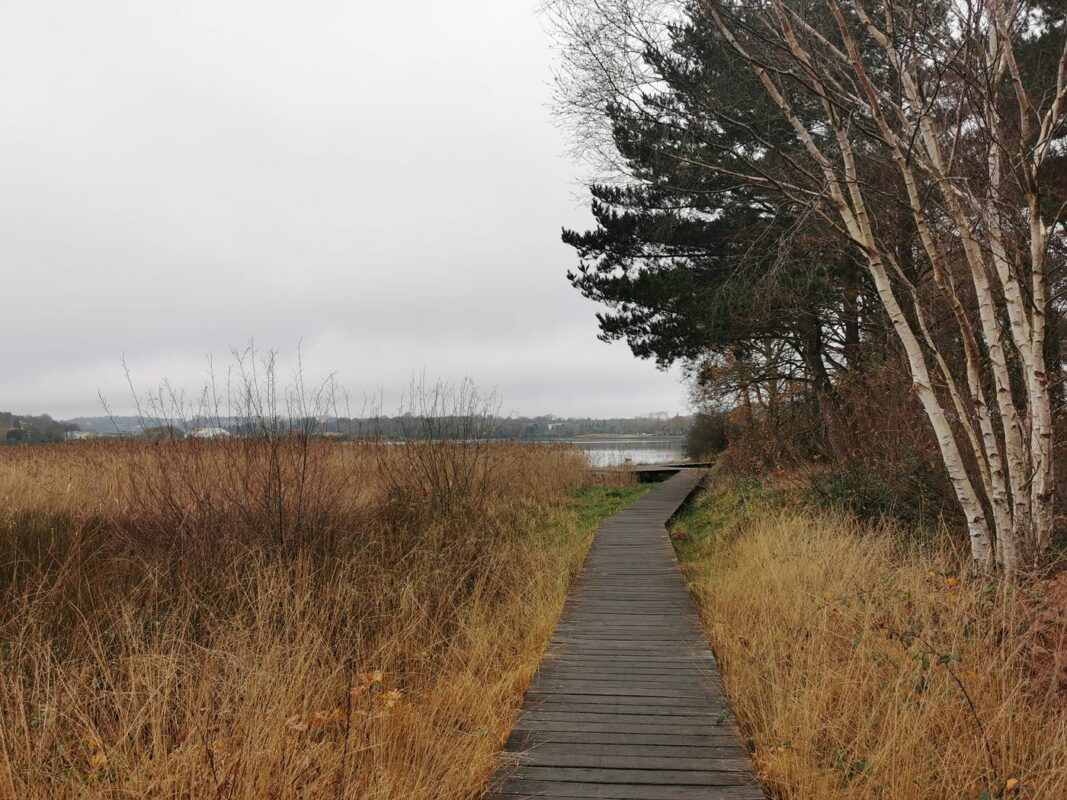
{"type": "Point", "coordinates": [285, 617]}
{"type": "Point", "coordinates": [862, 666]}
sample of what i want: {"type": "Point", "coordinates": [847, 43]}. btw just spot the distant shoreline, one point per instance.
{"type": "Point", "coordinates": [607, 438]}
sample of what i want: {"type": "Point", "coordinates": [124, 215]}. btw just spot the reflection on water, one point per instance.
{"type": "Point", "coordinates": [613, 453]}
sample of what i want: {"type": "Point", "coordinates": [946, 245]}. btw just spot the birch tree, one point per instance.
{"type": "Point", "coordinates": [922, 111]}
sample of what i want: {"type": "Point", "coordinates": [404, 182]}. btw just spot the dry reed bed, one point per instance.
{"type": "Point", "coordinates": [862, 666]}
{"type": "Point", "coordinates": [287, 618]}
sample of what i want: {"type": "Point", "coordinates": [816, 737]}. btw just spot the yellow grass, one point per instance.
{"type": "Point", "coordinates": [275, 620]}
{"type": "Point", "coordinates": [863, 667]}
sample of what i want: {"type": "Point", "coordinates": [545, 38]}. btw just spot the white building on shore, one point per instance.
{"type": "Point", "coordinates": [209, 433]}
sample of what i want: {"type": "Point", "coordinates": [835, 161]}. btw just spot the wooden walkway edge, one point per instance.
{"type": "Point", "coordinates": [628, 704]}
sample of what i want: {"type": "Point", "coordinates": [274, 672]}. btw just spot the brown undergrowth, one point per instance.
{"type": "Point", "coordinates": [865, 665]}
{"type": "Point", "coordinates": [278, 618]}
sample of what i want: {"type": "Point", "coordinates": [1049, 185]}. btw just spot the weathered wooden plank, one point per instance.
{"type": "Point", "coordinates": [739, 763]}
{"type": "Point", "coordinates": [621, 704]}
{"type": "Point", "coordinates": [623, 670]}
{"type": "Point", "coordinates": [665, 660]}
{"type": "Point", "coordinates": [630, 777]}
{"type": "Point", "coordinates": [635, 647]}
{"type": "Point", "coordinates": [572, 691]}
{"type": "Point", "coordinates": [560, 790]}
{"type": "Point", "coordinates": [548, 752]}
{"type": "Point", "coordinates": [625, 756]}
{"type": "Point", "coordinates": [677, 728]}
{"type": "Point", "coordinates": [628, 704]}
{"type": "Point", "coordinates": [687, 689]}
{"type": "Point", "coordinates": [524, 739]}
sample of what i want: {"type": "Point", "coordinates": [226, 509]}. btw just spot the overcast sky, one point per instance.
{"type": "Point", "coordinates": [383, 181]}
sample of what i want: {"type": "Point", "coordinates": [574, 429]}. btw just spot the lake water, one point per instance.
{"type": "Point", "coordinates": [614, 453]}
{"type": "Point", "coordinates": [601, 453]}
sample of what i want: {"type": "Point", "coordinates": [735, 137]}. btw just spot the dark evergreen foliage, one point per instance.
{"type": "Point", "coordinates": [691, 263]}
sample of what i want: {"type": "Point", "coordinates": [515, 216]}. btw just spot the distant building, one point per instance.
{"type": "Point", "coordinates": [74, 436]}
{"type": "Point", "coordinates": [210, 433]}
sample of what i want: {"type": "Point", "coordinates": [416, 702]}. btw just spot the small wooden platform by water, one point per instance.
{"type": "Point", "coordinates": [628, 704]}
{"type": "Point", "coordinates": [650, 473]}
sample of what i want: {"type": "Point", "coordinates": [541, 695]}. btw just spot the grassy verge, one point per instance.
{"type": "Point", "coordinates": [862, 665]}
{"type": "Point", "coordinates": [277, 619]}
{"type": "Point", "coordinates": [596, 503]}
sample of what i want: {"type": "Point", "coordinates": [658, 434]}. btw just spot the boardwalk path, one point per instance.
{"type": "Point", "coordinates": [628, 704]}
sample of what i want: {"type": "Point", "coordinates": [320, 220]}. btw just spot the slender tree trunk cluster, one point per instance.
{"type": "Point", "coordinates": [968, 175]}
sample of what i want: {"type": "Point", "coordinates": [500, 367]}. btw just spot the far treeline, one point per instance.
{"type": "Point", "coordinates": [845, 219]}
{"type": "Point", "coordinates": [27, 428]}
{"type": "Point", "coordinates": [402, 426]}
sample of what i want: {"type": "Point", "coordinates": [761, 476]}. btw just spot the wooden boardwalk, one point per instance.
{"type": "Point", "coordinates": [628, 704]}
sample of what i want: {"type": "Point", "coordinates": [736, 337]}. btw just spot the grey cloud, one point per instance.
{"type": "Point", "coordinates": [381, 180]}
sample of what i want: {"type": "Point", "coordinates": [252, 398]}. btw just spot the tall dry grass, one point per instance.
{"type": "Point", "coordinates": [864, 667]}
{"type": "Point", "coordinates": [273, 618]}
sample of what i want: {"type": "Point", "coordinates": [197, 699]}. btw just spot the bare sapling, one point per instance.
{"type": "Point", "coordinates": [261, 433]}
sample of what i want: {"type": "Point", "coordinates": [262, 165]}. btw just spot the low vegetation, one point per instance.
{"type": "Point", "coordinates": [864, 663]}
{"type": "Point", "coordinates": [276, 617]}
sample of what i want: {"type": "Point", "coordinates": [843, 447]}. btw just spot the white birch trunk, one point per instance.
{"type": "Point", "coordinates": [1010, 441]}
